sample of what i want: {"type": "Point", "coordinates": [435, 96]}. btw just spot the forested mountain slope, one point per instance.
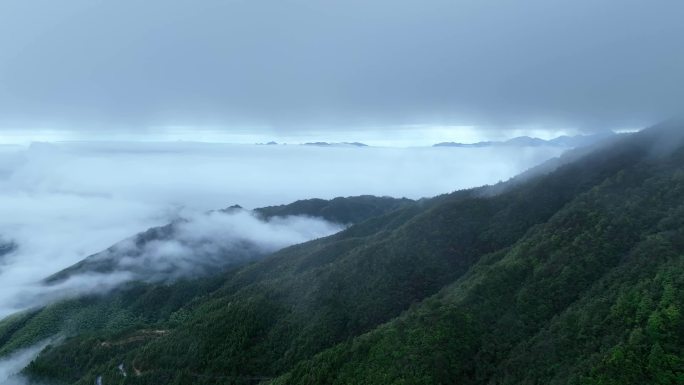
{"type": "Point", "coordinates": [570, 277]}
{"type": "Point", "coordinates": [349, 210]}
{"type": "Point", "coordinates": [593, 296]}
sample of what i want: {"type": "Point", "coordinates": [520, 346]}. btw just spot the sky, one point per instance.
{"type": "Point", "coordinates": [250, 70]}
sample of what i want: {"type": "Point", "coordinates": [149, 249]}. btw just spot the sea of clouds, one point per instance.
{"type": "Point", "coordinates": [60, 202]}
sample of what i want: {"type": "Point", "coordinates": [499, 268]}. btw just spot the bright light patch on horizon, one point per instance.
{"type": "Point", "coordinates": [400, 136]}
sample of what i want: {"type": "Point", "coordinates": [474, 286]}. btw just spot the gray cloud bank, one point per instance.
{"type": "Point", "coordinates": [292, 64]}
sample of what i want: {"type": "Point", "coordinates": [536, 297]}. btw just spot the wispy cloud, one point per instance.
{"type": "Point", "coordinates": [198, 245]}
{"type": "Point", "coordinates": [11, 366]}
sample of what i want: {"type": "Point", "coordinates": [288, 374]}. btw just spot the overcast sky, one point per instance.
{"type": "Point", "coordinates": [287, 67]}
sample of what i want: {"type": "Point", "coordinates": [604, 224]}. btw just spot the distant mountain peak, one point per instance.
{"type": "Point", "coordinates": [527, 141]}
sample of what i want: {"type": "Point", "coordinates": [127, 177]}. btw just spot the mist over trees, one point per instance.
{"type": "Point", "coordinates": [570, 276]}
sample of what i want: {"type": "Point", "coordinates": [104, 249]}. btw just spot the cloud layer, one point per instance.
{"type": "Point", "coordinates": [63, 202]}
{"type": "Point", "coordinates": [296, 64]}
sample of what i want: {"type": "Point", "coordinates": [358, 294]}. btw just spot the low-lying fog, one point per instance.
{"type": "Point", "coordinates": [62, 202]}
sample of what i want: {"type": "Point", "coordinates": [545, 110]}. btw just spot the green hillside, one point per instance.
{"type": "Point", "coordinates": [594, 296]}
{"type": "Point", "coordinates": [575, 276]}
{"type": "Point", "coordinates": [348, 210]}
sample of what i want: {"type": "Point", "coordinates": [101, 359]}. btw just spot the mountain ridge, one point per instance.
{"type": "Point", "coordinates": [527, 141]}
{"type": "Point", "coordinates": [459, 286]}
